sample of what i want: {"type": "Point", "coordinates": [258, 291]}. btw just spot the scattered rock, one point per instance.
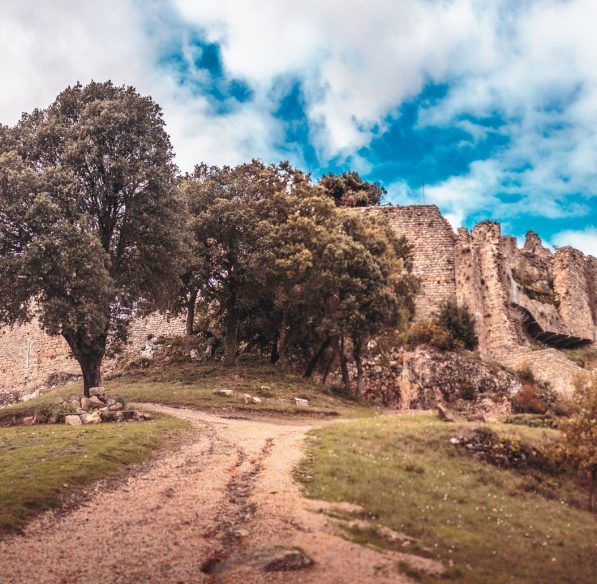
{"type": "Point", "coordinates": [251, 399]}
{"type": "Point", "coordinates": [95, 402]}
{"type": "Point", "coordinates": [28, 421]}
{"type": "Point", "coordinates": [72, 420]}
{"type": "Point", "coordinates": [445, 414]}
{"type": "Point", "coordinates": [301, 402]}
{"type": "Point", "coordinates": [93, 418]}
{"type": "Point", "coordinates": [284, 560]}
{"type": "Point", "coordinates": [265, 388]}
{"type": "Point", "coordinates": [224, 392]}
{"type": "Point", "coordinates": [97, 392]}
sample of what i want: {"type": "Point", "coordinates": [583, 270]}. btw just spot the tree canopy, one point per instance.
{"type": "Point", "coordinates": [350, 190]}
{"type": "Point", "coordinates": [89, 222]}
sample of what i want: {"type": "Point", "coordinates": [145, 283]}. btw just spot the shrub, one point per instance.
{"type": "Point", "coordinates": [528, 401]}
{"type": "Point", "coordinates": [525, 373]}
{"type": "Point", "coordinates": [430, 333]}
{"type": "Point", "coordinates": [459, 322]}
{"type": "Point", "coordinates": [52, 413]}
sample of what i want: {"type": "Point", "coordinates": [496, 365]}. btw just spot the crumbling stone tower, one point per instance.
{"type": "Point", "coordinates": [528, 303]}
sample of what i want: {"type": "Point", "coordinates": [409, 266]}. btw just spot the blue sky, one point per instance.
{"type": "Point", "coordinates": [488, 109]}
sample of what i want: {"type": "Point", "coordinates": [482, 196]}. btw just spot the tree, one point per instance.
{"type": "Point", "coordinates": [231, 239]}
{"type": "Point", "coordinates": [369, 287]}
{"type": "Point", "coordinates": [578, 444]}
{"type": "Point", "coordinates": [89, 224]}
{"type": "Point", "coordinates": [350, 190]}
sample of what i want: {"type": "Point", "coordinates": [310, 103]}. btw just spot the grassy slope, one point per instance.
{"type": "Point", "coordinates": [193, 385]}
{"type": "Point", "coordinates": [40, 466]}
{"type": "Point", "coordinates": [486, 524]}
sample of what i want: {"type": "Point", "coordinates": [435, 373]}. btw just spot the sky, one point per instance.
{"type": "Point", "coordinates": [486, 108]}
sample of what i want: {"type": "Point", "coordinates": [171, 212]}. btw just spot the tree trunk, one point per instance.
{"type": "Point", "coordinates": [89, 356]}
{"type": "Point", "coordinates": [358, 357]}
{"type": "Point", "coordinates": [282, 341]}
{"type": "Point", "coordinates": [344, 367]}
{"type": "Point", "coordinates": [330, 362]}
{"type": "Point", "coordinates": [592, 490]}
{"type": "Point", "coordinates": [231, 339]}
{"type": "Point", "coordinates": [92, 376]}
{"type": "Point", "coordinates": [191, 312]}
{"type": "Point", "coordinates": [274, 354]}
{"type": "Point", "coordinates": [315, 359]}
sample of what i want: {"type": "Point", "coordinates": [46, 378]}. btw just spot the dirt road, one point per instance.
{"type": "Point", "coordinates": [221, 508]}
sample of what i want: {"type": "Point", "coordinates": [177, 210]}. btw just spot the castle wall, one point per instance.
{"type": "Point", "coordinates": [29, 358]}
{"type": "Point", "coordinates": [571, 287]}
{"type": "Point", "coordinates": [433, 264]}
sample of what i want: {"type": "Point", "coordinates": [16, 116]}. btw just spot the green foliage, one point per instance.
{"type": "Point", "coordinates": [459, 322]}
{"type": "Point", "coordinates": [86, 191]}
{"type": "Point", "coordinates": [350, 190]}
{"type": "Point", "coordinates": [279, 269]}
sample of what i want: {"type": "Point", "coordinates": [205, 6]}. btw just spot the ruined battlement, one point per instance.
{"type": "Point", "coordinates": [528, 302]}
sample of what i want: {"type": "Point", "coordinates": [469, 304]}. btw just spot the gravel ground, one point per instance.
{"type": "Point", "coordinates": [221, 508]}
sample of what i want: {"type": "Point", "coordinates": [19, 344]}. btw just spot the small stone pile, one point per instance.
{"type": "Point", "coordinates": [97, 408]}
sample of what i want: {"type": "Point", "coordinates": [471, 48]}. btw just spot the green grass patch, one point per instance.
{"type": "Point", "coordinates": [41, 466]}
{"type": "Point", "coordinates": [487, 525]}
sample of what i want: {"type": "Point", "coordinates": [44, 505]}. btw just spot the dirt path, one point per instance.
{"type": "Point", "coordinates": [216, 510]}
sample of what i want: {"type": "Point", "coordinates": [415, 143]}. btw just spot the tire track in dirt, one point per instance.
{"type": "Point", "coordinates": [215, 510]}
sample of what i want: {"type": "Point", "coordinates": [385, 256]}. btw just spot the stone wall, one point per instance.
{"type": "Point", "coordinates": [570, 283]}
{"type": "Point", "coordinates": [29, 358]}
{"type": "Point", "coordinates": [434, 241]}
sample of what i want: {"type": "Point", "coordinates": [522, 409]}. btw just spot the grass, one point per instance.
{"type": "Point", "coordinates": [193, 385]}
{"type": "Point", "coordinates": [487, 525]}
{"type": "Point", "coordinates": [41, 466]}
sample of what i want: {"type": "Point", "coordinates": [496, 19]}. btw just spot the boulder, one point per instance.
{"type": "Point", "coordinates": [95, 402]}
{"type": "Point", "coordinates": [97, 392]}
{"type": "Point", "coordinates": [93, 418]}
{"type": "Point", "coordinates": [28, 421]}
{"type": "Point", "coordinates": [251, 399]}
{"type": "Point", "coordinates": [86, 403]}
{"type": "Point", "coordinates": [115, 407]}
{"type": "Point", "coordinates": [445, 414]}
{"type": "Point", "coordinates": [112, 416]}
{"type": "Point", "coordinates": [141, 416]}
{"type": "Point", "coordinates": [72, 420]}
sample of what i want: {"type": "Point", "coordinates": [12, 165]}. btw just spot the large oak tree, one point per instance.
{"type": "Point", "coordinates": [89, 221]}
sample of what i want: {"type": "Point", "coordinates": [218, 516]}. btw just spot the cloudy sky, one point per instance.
{"type": "Point", "coordinates": [486, 108]}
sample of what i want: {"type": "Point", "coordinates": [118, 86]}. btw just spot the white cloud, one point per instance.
{"type": "Point", "coordinates": [584, 239]}
{"type": "Point", "coordinates": [532, 63]}
{"type": "Point", "coordinates": [49, 45]}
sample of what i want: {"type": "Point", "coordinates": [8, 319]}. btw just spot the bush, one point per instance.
{"type": "Point", "coordinates": [429, 333]}
{"type": "Point", "coordinates": [528, 401]}
{"type": "Point", "coordinates": [459, 322]}
{"type": "Point", "coordinates": [52, 413]}
{"type": "Point", "coordinates": [525, 373]}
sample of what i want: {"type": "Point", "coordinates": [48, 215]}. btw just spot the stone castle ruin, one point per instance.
{"type": "Point", "coordinates": [529, 303]}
